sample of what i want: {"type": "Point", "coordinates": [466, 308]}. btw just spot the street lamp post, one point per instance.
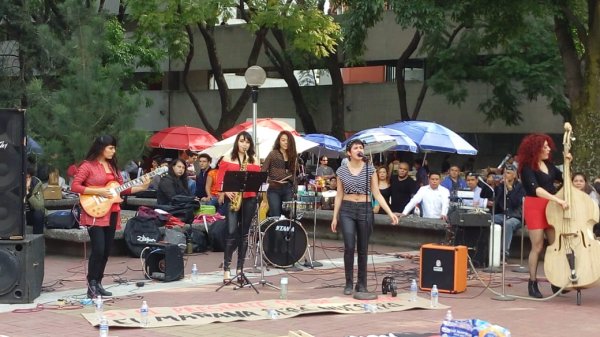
{"type": "Point", "coordinates": [255, 77]}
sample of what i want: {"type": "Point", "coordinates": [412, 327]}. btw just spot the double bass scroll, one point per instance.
{"type": "Point", "coordinates": [572, 259]}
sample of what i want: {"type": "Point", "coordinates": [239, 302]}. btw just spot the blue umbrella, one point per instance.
{"type": "Point", "coordinates": [328, 146]}
{"type": "Point", "coordinates": [431, 136]}
{"type": "Point", "coordinates": [33, 147]}
{"type": "Point", "coordinates": [383, 139]}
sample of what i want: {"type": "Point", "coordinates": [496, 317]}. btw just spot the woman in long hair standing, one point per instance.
{"type": "Point", "coordinates": [281, 165]}
{"type": "Point", "coordinates": [538, 175]}
{"type": "Point", "coordinates": [357, 181]}
{"type": "Point", "coordinates": [99, 169]}
{"type": "Point", "coordinates": [240, 208]}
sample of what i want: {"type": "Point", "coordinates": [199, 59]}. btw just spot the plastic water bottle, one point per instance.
{"type": "Point", "coordinates": [449, 315]}
{"type": "Point", "coordinates": [434, 296]}
{"type": "Point", "coordinates": [144, 314]}
{"type": "Point", "coordinates": [446, 329]}
{"type": "Point", "coordinates": [103, 327]}
{"type": "Point", "coordinates": [413, 291]}
{"type": "Point", "coordinates": [194, 273]}
{"type": "Point", "coordinates": [99, 307]}
{"type": "Point", "coordinates": [283, 286]}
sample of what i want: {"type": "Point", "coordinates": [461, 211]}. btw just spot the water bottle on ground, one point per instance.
{"type": "Point", "coordinates": [447, 328]}
{"type": "Point", "coordinates": [283, 286]}
{"type": "Point", "coordinates": [99, 307]}
{"type": "Point", "coordinates": [144, 314]}
{"type": "Point", "coordinates": [413, 291]}
{"type": "Point", "coordinates": [194, 273]}
{"type": "Point", "coordinates": [103, 327]}
{"type": "Point", "coordinates": [434, 296]}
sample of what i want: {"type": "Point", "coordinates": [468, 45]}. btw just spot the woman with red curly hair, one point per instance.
{"type": "Point", "coordinates": [538, 175]}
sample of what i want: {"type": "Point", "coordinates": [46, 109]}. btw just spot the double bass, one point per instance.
{"type": "Point", "coordinates": [572, 260]}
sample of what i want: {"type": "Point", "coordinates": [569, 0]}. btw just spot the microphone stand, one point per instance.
{"type": "Point", "coordinates": [491, 268]}
{"type": "Point", "coordinates": [503, 297]}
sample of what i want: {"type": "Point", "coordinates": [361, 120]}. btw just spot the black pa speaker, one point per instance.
{"type": "Point", "coordinates": [21, 269]}
{"type": "Point", "coordinates": [444, 266]}
{"type": "Point", "coordinates": [12, 173]}
{"type": "Point", "coordinates": [164, 262]}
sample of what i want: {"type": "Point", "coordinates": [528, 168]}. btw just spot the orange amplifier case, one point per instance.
{"type": "Point", "coordinates": [444, 266]}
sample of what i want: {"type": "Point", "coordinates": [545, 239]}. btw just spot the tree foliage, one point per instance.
{"type": "Point", "coordinates": [78, 83]}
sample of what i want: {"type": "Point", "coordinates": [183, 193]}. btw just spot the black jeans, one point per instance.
{"type": "Point", "coordinates": [235, 239]}
{"type": "Point", "coordinates": [357, 224]}
{"type": "Point", "coordinates": [101, 240]}
{"type": "Point", "coordinates": [276, 197]}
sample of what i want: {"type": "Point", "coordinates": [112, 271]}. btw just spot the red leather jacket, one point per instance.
{"type": "Point", "coordinates": [91, 173]}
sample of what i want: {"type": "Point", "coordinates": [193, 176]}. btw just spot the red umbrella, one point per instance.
{"type": "Point", "coordinates": [264, 122]}
{"type": "Point", "coordinates": [182, 138]}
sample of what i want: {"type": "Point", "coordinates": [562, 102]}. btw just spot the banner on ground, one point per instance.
{"type": "Point", "coordinates": [256, 310]}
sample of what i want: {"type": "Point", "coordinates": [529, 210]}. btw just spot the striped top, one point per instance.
{"type": "Point", "coordinates": [355, 184]}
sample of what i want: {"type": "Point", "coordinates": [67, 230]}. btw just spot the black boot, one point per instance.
{"type": "Point", "coordinates": [102, 291]}
{"type": "Point", "coordinates": [92, 291]}
{"type": "Point", "coordinates": [532, 288]}
{"type": "Point", "coordinates": [348, 288]}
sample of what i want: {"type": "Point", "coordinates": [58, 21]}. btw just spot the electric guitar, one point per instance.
{"type": "Point", "coordinates": [97, 206]}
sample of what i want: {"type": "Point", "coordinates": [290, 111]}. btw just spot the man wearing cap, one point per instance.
{"type": "Point", "coordinates": [509, 204]}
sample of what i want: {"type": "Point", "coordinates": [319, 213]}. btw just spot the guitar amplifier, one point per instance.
{"type": "Point", "coordinates": [163, 262]}
{"type": "Point", "coordinates": [444, 266]}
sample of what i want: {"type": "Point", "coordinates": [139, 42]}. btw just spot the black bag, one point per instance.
{"type": "Point", "coordinates": [217, 232]}
{"type": "Point", "coordinates": [141, 232]}
{"type": "Point", "coordinates": [182, 207]}
{"type": "Point", "coordinates": [199, 240]}
{"type": "Point", "coordinates": [61, 220]}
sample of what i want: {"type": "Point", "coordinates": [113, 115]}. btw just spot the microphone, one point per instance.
{"type": "Point", "coordinates": [485, 183]}
{"type": "Point", "coordinates": [362, 156]}
{"type": "Point", "coordinates": [504, 160]}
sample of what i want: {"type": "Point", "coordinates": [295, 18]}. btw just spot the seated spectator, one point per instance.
{"type": "Point", "coordinates": [35, 212]}
{"type": "Point", "coordinates": [580, 182]}
{"type": "Point", "coordinates": [434, 199]}
{"type": "Point", "coordinates": [477, 201]}
{"type": "Point", "coordinates": [174, 183]}
{"type": "Point", "coordinates": [54, 179]}
{"type": "Point", "coordinates": [156, 179]}
{"type": "Point", "coordinates": [332, 184]}
{"type": "Point", "coordinates": [384, 188]}
{"type": "Point", "coordinates": [509, 209]}
{"type": "Point", "coordinates": [212, 189]}
{"type": "Point", "coordinates": [324, 170]}
{"type": "Point", "coordinates": [453, 182]}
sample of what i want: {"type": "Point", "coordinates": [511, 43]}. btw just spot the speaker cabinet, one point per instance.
{"type": "Point", "coordinates": [164, 262]}
{"type": "Point", "coordinates": [444, 266]}
{"type": "Point", "coordinates": [21, 269]}
{"type": "Point", "coordinates": [12, 173]}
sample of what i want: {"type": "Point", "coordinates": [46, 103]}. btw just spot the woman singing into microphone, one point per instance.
{"type": "Point", "coordinates": [281, 165]}
{"type": "Point", "coordinates": [240, 207]}
{"type": "Point", "coordinates": [356, 182]}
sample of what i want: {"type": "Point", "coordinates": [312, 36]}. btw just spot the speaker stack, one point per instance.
{"type": "Point", "coordinates": [444, 266]}
{"type": "Point", "coordinates": [21, 258]}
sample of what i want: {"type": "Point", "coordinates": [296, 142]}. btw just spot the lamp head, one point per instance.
{"type": "Point", "coordinates": [255, 76]}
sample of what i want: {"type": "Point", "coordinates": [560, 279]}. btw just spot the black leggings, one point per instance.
{"type": "Point", "coordinates": [234, 220]}
{"type": "Point", "coordinates": [357, 224]}
{"type": "Point", "coordinates": [101, 240]}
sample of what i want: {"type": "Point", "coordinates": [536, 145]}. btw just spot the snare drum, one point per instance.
{"type": "Point", "coordinates": [284, 241]}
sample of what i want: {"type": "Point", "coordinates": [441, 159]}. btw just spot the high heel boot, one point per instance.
{"type": "Point", "coordinates": [532, 288]}
{"type": "Point", "coordinates": [102, 291]}
{"type": "Point", "coordinates": [92, 291]}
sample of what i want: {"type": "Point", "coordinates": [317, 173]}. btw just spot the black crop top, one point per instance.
{"type": "Point", "coordinates": [533, 179]}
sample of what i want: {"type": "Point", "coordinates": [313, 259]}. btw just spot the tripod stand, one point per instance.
{"type": "Point", "coordinates": [240, 182]}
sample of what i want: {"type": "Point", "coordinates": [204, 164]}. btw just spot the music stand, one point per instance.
{"type": "Point", "coordinates": [242, 181]}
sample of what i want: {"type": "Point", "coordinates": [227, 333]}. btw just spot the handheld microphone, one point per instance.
{"type": "Point", "coordinates": [504, 161]}
{"type": "Point", "coordinates": [362, 156]}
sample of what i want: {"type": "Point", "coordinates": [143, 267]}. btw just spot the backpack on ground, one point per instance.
{"type": "Point", "coordinates": [141, 232]}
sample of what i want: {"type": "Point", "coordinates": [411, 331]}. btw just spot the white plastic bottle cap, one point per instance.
{"type": "Point", "coordinates": [284, 280]}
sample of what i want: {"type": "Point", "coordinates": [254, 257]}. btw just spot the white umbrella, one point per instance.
{"type": "Point", "coordinates": [265, 141]}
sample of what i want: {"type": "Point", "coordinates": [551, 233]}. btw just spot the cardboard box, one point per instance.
{"type": "Point", "coordinates": [52, 192]}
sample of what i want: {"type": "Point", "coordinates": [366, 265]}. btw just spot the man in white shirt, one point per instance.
{"type": "Point", "coordinates": [434, 199]}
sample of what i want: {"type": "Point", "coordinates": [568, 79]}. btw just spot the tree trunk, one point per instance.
{"type": "Point", "coordinates": [336, 97]}
{"type": "Point", "coordinates": [400, 83]}
{"type": "Point", "coordinates": [586, 111]}
{"type": "Point", "coordinates": [286, 69]}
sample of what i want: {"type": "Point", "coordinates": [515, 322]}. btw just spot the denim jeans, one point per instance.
{"type": "Point", "coordinates": [235, 239]}
{"type": "Point", "coordinates": [356, 219]}
{"type": "Point", "coordinates": [512, 224]}
{"type": "Point", "coordinates": [276, 197]}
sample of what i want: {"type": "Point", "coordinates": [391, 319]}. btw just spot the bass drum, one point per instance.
{"type": "Point", "coordinates": [284, 241]}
